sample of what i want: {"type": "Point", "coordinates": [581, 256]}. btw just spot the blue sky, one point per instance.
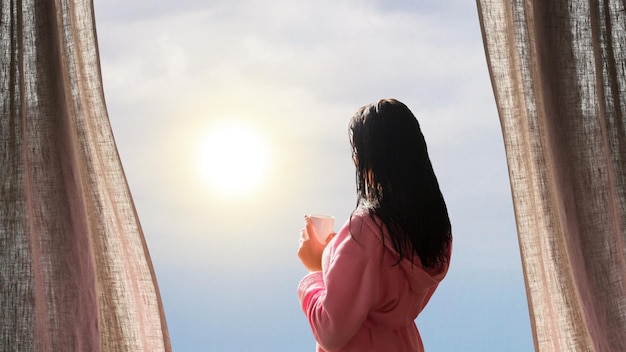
{"type": "Point", "coordinates": [294, 72]}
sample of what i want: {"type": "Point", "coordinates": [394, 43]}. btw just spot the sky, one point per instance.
{"type": "Point", "coordinates": [181, 75]}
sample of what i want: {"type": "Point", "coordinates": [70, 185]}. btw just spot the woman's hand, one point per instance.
{"type": "Point", "coordinates": [310, 250]}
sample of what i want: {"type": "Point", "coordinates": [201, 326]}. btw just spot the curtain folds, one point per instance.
{"type": "Point", "coordinates": [558, 71]}
{"type": "Point", "coordinates": [75, 273]}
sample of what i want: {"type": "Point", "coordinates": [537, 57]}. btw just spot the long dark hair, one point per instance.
{"type": "Point", "coordinates": [395, 181]}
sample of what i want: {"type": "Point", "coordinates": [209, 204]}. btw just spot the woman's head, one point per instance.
{"type": "Point", "coordinates": [396, 182]}
{"type": "Point", "coordinates": [388, 149]}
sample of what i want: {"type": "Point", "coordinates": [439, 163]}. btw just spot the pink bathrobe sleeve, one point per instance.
{"type": "Point", "coordinates": [364, 301]}
{"type": "Point", "coordinates": [338, 304]}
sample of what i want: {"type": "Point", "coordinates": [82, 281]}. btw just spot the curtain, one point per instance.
{"type": "Point", "coordinates": [75, 273]}
{"type": "Point", "coordinates": [558, 72]}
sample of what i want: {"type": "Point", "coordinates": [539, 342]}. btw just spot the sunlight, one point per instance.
{"type": "Point", "coordinates": [234, 159]}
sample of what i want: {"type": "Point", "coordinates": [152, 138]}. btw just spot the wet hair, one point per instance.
{"type": "Point", "coordinates": [395, 181]}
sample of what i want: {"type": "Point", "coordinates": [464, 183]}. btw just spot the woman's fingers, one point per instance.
{"type": "Point", "coordinates": [304, 234]}
{"type": "Point", "coordinates": [310, 229]}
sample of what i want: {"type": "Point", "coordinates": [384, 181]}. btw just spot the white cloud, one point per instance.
{"type": "Point", "coordinates": [297, 70]}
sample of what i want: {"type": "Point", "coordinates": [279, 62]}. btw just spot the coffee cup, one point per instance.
{"type": "Point", "coordinates": [323, 225]}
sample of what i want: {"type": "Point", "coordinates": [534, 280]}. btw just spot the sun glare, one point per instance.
{"type": "Point", "coordinates": [234, 159]}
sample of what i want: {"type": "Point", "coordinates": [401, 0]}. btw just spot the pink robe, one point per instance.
{"type": "Point", "coordinates": [361, 301]}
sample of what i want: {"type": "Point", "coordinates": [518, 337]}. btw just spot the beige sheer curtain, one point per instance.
{"type": "Point", "coordinates": [75, 274]}
{"type": "Point", "coordinates": [558, 70]}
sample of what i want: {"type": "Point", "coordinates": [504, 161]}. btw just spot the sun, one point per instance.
{"type": "Point", "coordinates": [234, 158]}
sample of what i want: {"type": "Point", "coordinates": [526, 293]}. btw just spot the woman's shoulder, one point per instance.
{"type": "Point", "coordinates": [367, 222]}
{"type": "Point", "coordinates": [361, 230]}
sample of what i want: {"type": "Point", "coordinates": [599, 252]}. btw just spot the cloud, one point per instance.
{"type": "Point", "coordinates": [296, 71]}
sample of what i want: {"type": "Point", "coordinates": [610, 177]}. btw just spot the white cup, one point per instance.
{"type": "Point", "coordinates": [323, 225]}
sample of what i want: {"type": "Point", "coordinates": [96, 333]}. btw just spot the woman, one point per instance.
{"type": "Point", "coordinates": [369, 282]}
